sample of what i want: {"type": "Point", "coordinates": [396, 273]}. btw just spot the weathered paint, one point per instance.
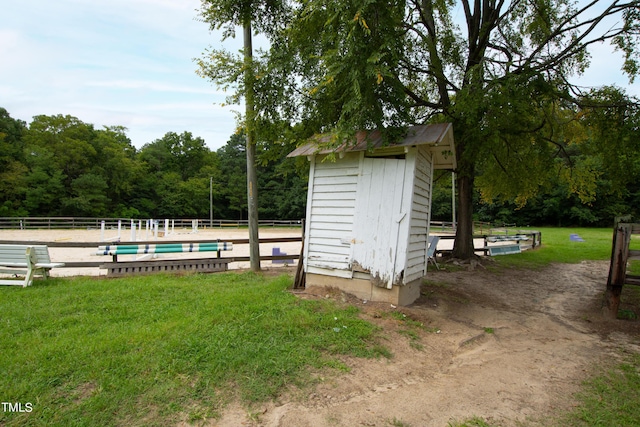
{"type": "Point", "coordinates": [379, 219]}
{"type": "Point", "coordinates": [330, 212]}
{"type": "Point", "coordinates": [420, 216]}
{"type": "Point", "coordinates": [368, 215]}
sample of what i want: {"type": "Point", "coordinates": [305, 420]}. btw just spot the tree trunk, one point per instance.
{"type": "Point", "coordinates": [463, 243]}
{"type": "Point", "coordinates": [465, 177]}
{"type": "Point", "coordinates": [252, 176]}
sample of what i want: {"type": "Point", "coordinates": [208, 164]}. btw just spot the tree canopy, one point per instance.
{"type": "Point", "coordinates": [61, 166]}
{"type": "Point", "coordinates": [499, 70]}
{"type": "Point", "coordinates": [531, 146]}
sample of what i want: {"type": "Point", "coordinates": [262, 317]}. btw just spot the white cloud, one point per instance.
{"type": "Point", "coordinates": [130, 63]}
{"type": "Point", "coordinates": [605, 69]}
{"type": "Point", "coordinates": [112, 62]}
{"type": "Point", "coordinates": [153, 86]}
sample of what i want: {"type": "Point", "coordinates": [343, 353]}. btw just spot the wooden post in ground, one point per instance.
{"type": "Point", "coordinates": [617, 270]}
{"type": "Point", "coordinates": [299, 280]}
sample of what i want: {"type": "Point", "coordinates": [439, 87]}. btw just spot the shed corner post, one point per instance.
{"type": "Point", "coordinates": [308, 219]}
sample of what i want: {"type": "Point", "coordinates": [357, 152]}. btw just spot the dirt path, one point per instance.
{"type": "Point", "coordinates": [508, 347]}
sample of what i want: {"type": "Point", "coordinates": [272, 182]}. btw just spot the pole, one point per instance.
{"type": "Point", "coordinates": [453, 200]}
{"type": "Point", "coordinates": [252, 177]}
{"type": "Point", "coordinates": [210, 202]}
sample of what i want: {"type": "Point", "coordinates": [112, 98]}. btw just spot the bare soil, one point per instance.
{"type": "Point", "coordinates": [510, 347]}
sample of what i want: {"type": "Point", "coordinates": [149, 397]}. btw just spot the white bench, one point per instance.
{"type": "Point", "coordinates": [504, 250]}
{"type": "Point", "coordinates": [431, 250]}
{"type": "Point", "coordinates": [27, 261]}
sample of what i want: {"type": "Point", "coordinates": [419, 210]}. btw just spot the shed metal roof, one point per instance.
{"type": "Point", "coordinates": [438, 136]}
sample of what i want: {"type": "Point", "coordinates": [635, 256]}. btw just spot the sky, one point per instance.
{"type": "Point", "coordinates": [131, 63]}
{"type": "Point", "coordinates": [112, 62]}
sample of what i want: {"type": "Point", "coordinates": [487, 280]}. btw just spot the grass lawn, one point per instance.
{"type": "Point", "coordinates": [558, 247]}
{"type": "Point", "coordinates": [159, 349]}
{"type": "Point", "coordinates": [610, 399]}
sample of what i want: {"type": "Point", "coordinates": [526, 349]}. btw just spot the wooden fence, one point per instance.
{"type": "Point", "coordinates": [533, 240]}
{"type": "Point", "coordinates": [79, 223]}
{"type": "Point", "coordinates": [84, 223]}
{"type": "Point", "coordinates": [92, 246]}
{"type": "Point", "coordinates": [527, 240]}
{"type": "Point", "coordinates": [618, 276]}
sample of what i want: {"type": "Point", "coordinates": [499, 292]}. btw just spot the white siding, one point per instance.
{"type": "Point", "coordinates": [404, 240]}
{"type": "Point", "coordinates": [420, 217]}
{"type": "Point", "coordinates": [370, 212]}
{"type": "Point", "coordinates": [330, 213]}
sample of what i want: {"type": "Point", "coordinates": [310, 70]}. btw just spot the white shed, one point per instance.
{"type": "Point", "coordinates": [368, 212]}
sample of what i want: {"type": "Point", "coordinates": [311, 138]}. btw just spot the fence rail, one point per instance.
{"type": "Point", "coordinates": [534, 239]}
{"type": "Point", "coordinates": [94, 245]}
{"type": "Point", "coordinates": [79, 223]}
{"type": "Point", "coordinates": [531, 240]}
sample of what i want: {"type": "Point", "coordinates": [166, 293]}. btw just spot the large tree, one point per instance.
{"type": "Point", "coordinates": [593, 179]}
{"type": "Point", "coordinates": [499, 70]}
{"type": "Point", "coordinates": [225, 69]}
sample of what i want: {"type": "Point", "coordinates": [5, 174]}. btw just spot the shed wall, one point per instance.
{"type": "Point", "coordinates": [380, 224]}
{"type": "Point", "coordinates": [360, 208]}
{"type": "Point", "coordinates": [330, 214]}
{"type": "Point", "coordinates": [416, 262]}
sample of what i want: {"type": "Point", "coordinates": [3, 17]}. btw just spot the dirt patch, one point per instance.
{"type": "Point", "coordinates": [510, 347]}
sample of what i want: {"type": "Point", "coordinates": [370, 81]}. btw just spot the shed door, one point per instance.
{"type": "Point", "coordinates": [377, 219]}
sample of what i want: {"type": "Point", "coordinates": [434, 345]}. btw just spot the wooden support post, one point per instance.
{"type": "Point", "coordinates": [299, 280]}
{"type": "Point", "coordinates": [617, 270]}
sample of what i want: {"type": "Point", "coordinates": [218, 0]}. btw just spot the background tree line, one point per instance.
{"type": "Point", "coordinates": [591, 176]}
{"type": "Point", "coordinates": [61, 166]}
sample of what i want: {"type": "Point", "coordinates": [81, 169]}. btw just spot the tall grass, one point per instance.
{"type": "Point", "coordinates": [153, 350]}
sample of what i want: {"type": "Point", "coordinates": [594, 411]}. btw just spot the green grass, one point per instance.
{"type": "Point", "coordinates": [157, 350]}
{"type": "Point", "coordinates": [471, 422]}
{"type": "Point", "coordinates": [610, 399]}
{"type": "Point", "coordinates": [557, 247]}
{"type": "Point", "coordinates": [398, 423]}
{"type": "Point", "coordinates": [154, 350]}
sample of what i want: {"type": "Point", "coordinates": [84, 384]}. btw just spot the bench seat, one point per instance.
{"type": "Point", "coordinates": [27, 261]}
{"type": "Point", "coordinates": [504, 250]}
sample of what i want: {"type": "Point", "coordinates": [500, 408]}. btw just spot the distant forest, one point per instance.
{"type": "Point", "coordinates": [61, 166]}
